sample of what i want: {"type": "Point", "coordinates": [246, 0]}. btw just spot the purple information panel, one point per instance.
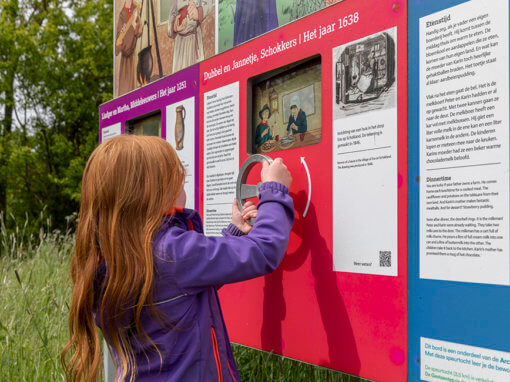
{"type": "Point", "coordinates": [167, 108]}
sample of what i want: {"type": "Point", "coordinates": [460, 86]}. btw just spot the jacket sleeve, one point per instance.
{"type": "Point", "coordinates": [301, 122]}
{"type": "Point", "coordinates": [232, 230]}
{"type": "Point", "coordinates": [291, 120]}
{"type": "Point", "coordinates": [194, 260]}
{"type": "Point", "coordinates": [258, 135]}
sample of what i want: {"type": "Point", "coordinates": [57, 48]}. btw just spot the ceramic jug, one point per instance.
{"type": "Point", "coordinates": [179, 127]}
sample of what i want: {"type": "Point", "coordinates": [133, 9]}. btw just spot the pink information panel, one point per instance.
{"type": "Point", "coordinates": [327, 94]}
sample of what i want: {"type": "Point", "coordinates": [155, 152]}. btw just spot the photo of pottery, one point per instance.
{"type": "Point", "coordinates": [179, 127]}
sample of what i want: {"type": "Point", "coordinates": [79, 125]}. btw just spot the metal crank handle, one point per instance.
{"type": "Point", "coordinates": [246, 191]}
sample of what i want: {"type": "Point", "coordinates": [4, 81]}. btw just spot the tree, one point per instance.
{"type": "Point", "coordinates": [9, 55]}
{"type": "Point", "coordinates": [56, 69]}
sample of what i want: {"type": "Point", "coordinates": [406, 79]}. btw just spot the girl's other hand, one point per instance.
{"type": "Point", "coordinates": [276, 172]}
{"type": "Point", "coordinates": [240, 219]}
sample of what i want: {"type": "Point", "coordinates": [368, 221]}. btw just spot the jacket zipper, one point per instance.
{"type": "Point", "coordinates": [216, 354]}
{"type": "Point", "coordinates": [170, 299]}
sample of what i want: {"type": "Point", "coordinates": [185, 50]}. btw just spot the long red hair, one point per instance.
{"type": "Point", "coordinates": [128, 184]}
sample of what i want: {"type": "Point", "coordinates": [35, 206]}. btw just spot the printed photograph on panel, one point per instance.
{"type": "Point", "coordinates": [287, 107]}
{"type": "Point", "coordinates": [365, 74]}
{"type": "Point", "coordinates": [180, 125]}
{"type": "Point", "coordinates": [155, 38]}
{"type": "Point", "coordinates": [242, 20]}
{"type": "Point", "coordinates": [180, 133]}
{"type": "Point", "coordinates": [149, 124]}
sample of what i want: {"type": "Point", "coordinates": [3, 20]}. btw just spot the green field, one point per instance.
{"type": "Point", "coordinates": [35, 292]}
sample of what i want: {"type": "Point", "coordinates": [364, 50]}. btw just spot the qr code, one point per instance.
{"type": "Point", "coordinates": [385, 258]}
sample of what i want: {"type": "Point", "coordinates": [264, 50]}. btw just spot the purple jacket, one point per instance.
{"type": "Point", "coordinates": [189, 267]}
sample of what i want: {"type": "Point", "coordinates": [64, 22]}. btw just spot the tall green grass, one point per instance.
{"type": "Point", "coordinates": [35, 291]}
{"type": "Point", "coordinates": [258, 366]}
{"type": "Point", "coordinates": [34, 295]}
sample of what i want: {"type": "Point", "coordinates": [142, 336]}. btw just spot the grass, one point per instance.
{"type": "Point", "coordinates": [259, 366]}
{"type": "Point", "coordinates": [34, 295]}
{"type": "Point", "coordinates": [35, 291]}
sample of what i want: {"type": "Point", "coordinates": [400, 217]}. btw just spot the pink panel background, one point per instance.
{"type": "Point", "coordinates": [355, 323]}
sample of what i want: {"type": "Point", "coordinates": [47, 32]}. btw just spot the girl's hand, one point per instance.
{"type": "Point", "coordinates": [240, 219]}
{"type": "Point", "coordinates": [276, 172]}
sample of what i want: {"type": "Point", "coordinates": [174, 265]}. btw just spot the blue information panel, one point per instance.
{"type": "Point", "coordinates": [459, 255]}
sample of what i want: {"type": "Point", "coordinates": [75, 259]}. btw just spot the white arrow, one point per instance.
{"type": "Point", "coordinates": [309, 185]}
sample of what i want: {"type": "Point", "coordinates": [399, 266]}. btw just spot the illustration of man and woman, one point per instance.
{"type": "Point", "coordinates": [128, 31]}
{"type": "Point", "coordinates": [297, 122]}
{"type": "Point", "coordinates": [184, 27]}
{"type": "Point", "coordinates": [264, 132]}
{"type": "Point", "coordinates": [297, 119]}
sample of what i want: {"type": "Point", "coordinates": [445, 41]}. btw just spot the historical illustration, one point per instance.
{"type": "Point", "coordinates": [155, 38]}
{"type": "Point", "coordinates": [304, 97]}
{"type": "Point", "coordinates": [127, 33]}
{"type": "Point", "coordinates": [286, 108]}
{"type": "Point", "coordinates": [365, 76]}
{"type": "Point", "coordinates": [242, 20]}
{"type": "Point", "coordinates": [184, 26]}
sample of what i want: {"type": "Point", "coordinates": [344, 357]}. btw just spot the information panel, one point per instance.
{"type": "Point", "coordinates": [459, 191]}
{"type": "Point", "coordinates": [443, 360]}
{"type": "Point", "coordinates": [464, 206]}
{"type": "Point", "coordinates": [167, 108]}
{"type": "Point", "coordinates": [328, 94]}
{"type": "Point", "coordinates": [365, 155]}
{"type": "Point", "coordinates": [221, 156]}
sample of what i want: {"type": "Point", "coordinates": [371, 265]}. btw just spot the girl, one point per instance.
{"type": "Point", "coordinates": [149, 277]}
